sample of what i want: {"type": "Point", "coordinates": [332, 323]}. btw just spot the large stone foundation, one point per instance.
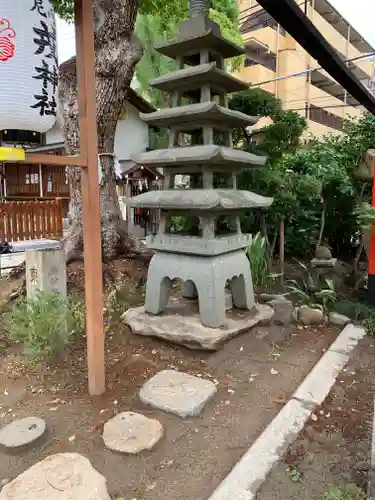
{"type": "Point", "coordinates": [181, 324]}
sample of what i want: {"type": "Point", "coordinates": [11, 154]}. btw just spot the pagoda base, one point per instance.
{"type": "Point", "coordinates": [181, 324]}
{"type": "Point", "coordinates": [209, 276]}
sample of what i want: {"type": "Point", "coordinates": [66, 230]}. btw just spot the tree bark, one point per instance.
{"type": "Point", "coordinates": [116, 53]}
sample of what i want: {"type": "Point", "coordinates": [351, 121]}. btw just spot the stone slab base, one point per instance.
{"type": "Point", "coordinates": [180, 324]}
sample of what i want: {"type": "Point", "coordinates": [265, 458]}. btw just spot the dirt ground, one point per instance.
{"type": "Point", "coordinates": [195, 454]}
{"type": "Point", "coordinates": [334, 449]}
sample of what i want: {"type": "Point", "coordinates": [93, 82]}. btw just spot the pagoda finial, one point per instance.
{"type": "Point", "coordinates": [199, 7]}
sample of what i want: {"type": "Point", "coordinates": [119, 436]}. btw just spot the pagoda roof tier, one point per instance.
{"type": "Point", "coordinates": [199, 200]}
{"type": "Point", "coordinates": [190, 80]}
{"type": "Point", "coordinates": [210, 155]}
{"type": "Point", "coordinates": [195, 115]}
{"type": "Point", "coordinates": [190, 47]}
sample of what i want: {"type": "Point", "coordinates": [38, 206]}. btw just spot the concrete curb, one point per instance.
{"type": "Point", "coordinates": [250, 472]}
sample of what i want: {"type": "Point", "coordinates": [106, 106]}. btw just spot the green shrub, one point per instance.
{"type": "Point", "coordinates": [45, 325]}
{"type": "Point", "coordinates": [358, 311]}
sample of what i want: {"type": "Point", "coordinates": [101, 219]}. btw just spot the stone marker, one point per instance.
{"type": "Point", "coordinates": [338, 319]}
{"type": "Point", "coordinates": [309, 316]}
{"type": "Point", "coordinates": [178, 393]}
{"type": "Point", "coordinates": [46, 271]}
{"type": "Point", "coordinates": [132, 433]}
{"type": "Point", "coordinates": [22, 434]}
{"type": "Point", "coordinates": [283, 311]}
{"type": "Point", "coordinates": [64, 476]}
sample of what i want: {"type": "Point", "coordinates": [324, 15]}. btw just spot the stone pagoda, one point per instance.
{"type": "Point", "coordinates": [208, 255]}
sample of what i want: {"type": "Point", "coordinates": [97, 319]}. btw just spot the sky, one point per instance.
{"type": "Point", "coordinates": [359, 13]}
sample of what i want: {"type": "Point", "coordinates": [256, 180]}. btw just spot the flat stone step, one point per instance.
{"type": "Point", "coordinates": [20, 435]}
{"type": "Point", "coordinates": [64, 476]}
{"type": "Point", "coordinates": [178, 393]}
{"type": "Point", "coordinates": [132, 433]}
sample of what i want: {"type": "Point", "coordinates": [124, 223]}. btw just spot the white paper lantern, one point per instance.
{"type": "Point", "coordinates": [28, 66]}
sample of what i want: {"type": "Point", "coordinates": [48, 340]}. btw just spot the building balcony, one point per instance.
{"type": "Point", "coordinates": [265, 37]}
{"type": "Point", "coordinates": [341, 25]}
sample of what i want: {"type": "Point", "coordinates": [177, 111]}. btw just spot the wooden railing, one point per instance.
{"type": "Point", "coordinates": [30, 220]}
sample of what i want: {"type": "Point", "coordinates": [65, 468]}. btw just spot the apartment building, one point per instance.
{"type": "Point", "coordinates": [272, 53]}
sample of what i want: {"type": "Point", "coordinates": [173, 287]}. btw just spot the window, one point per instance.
{"type": "Point", "coordinates": [32, 178]}
{"type": "Point", "coordinates": [249, 62]}
{"type": "Point", "coordinates": [49, 183]}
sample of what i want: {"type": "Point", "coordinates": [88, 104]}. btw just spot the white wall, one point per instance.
{"type": "Point", "coordinates": [131, 134]}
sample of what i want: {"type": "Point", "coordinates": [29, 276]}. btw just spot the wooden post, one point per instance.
{"type": "Point", "coordinates": [282, 248]}
{"type": "Point", "coordinates": [371, 258]}
{"type": "Point", "coordinates": [90, 196]}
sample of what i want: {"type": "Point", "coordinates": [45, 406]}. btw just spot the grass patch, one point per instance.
{"type": "Point", "coordinates": [349, 492]}
{"type": "Point", "coordinates": [358, 311]}
{"type": "Point", "coordinates": [45, 325]}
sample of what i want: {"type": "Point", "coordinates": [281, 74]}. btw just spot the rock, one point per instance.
{"type": "Point", "coordinates": [267, 297]}
{"type": "Point", "coordinates": [338, 319]}
{"type": "Point", "coordinates": [64, 476]}
{"type": "Point", "coordinates": [178, 393]}
{"type": "Point", "coordinates": [132, 433]}
{"type": "Point", "coordinates": [310, 316]}
{"type": "Point", "coordinates": [323, 253]}
{"type": "Point", "coordinates": [187, 329]}
{"type": "Point", "coordinates": [326, 264]}
{"type": "Point", "coordinates": [22, 434]}
{"type": "Point", "coordinates": [283, 311]}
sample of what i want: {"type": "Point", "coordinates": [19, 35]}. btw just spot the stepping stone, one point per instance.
{"type": "Point", "coordinates": [64, 476]}
{"type": "Point", "coordinates": [132, 433]}
{"type": "Point", "coordinates": [22, 434]}
{"type": "Point", "coordinates": [178, 393]}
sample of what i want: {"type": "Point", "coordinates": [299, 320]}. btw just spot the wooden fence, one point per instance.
{"type": "Point", "coordinates": [30, 220]}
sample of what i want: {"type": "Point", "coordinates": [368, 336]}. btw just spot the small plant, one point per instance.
{"type": "Point", "coordinates": [45, 325]}
{"type": "Point", "coordinates": [294, 474]}
{"type": "Point", "coordinates": [308, 294]}
{"type": "Point", "coordinates": [259, 263]}
{"type": "Point", "coordinates": [349, 492]}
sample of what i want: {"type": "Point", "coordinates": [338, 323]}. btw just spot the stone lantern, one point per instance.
{"type": "Point", "coordinates": [208, 255]}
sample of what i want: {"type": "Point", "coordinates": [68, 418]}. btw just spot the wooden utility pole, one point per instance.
{"type": "Point", "coordinates": [87, 160]}
{"type": "Point", "coordinates": [84, 22]}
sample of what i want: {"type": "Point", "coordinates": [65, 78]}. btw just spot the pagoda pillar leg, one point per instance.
{"type": "Point", "coordinates": [242, 286]}
{"type": "Point", "coordinates": [189, 290]}
{"type": "Point", "coordinates": [212, 308]}
{"type": "Point", "coordinates": [159, 288]}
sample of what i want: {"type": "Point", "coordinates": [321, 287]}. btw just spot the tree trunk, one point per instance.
{"type": "Point", "coordinates": [116, 54]}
